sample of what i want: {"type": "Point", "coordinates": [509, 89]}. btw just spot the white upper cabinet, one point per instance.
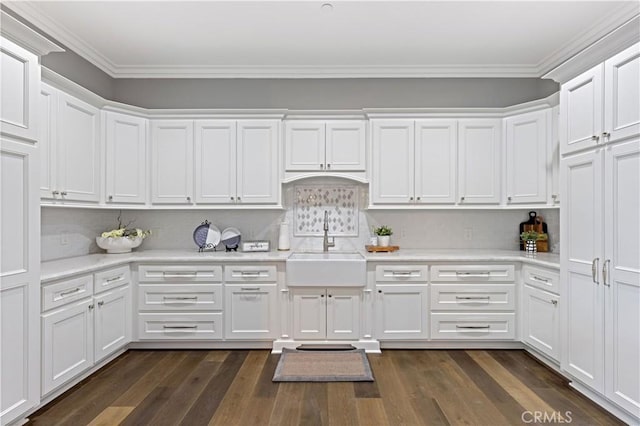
{"type": "Point", "coordinates": [172, 161]}
{"type": "Point", "coordinates": [19, 81]}
{"type": "Point", "coordinates": [215, 161]}
{"type": "Point", "coordinates": [601, 105]}
{"type": "Point", "coordinates": [257, 162]}
{"type": "Point", "coordinates": [392, 179]}
{"type": "Point", "coordinates": [345, 146]}
{"type": "Point", "coordinates": [316, 145]}
{"type": "Point", "coordinates": [47, 141]}
{"type": "Point", "coordinates": [479, 151]}
{"type": "Point", "coordinates": [126, 148]}
{"type": "Point", "coordinates": [435, 161]}
{"type": "Point", "coordinates": [527, 157]}
{"type": "Point", "coordinates": [78, 150]}
{"type": "Point", "coordinates": [304, 146]}
{"type": "Point", "coordinates": [622, 94]}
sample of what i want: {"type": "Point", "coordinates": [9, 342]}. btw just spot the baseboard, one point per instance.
{"type": "Point", "coordinates": [623, 415]}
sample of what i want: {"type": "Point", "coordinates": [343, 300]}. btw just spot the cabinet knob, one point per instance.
{"type": "Point", "coordinates": [189, 199]}
{"type": "Point", "coordinates": [328, 166]}
{"type": "Point", "coordinates": [231, 198]}
{"type": "Point", "coordinates": [418, 199]}
{"type": "Point", "coordinates": [91, 307]}
{"type": "Point", "coordinates": [461, 199]}
{"type": "Point", "coordinates": [110, 197]}
{"type": "Point", "coordinates": [329, 295]}
{"type": "Point", "coordinates": [606, 135]}
{"type": "Point", "coordinates": [410, 198]}
{"type": "Point", "coordinates": [100, 303]}
{"type": "Point", "coordinates": [380, 291]}
{"type": "Point", "coordinates": [239, 199]}
{"type": "Point", "coordinates": [54, 193]}
{"type": "Point", "coordinates": [595, 138]}
{"type": "Point", "coordinates": [509, 199]}
{"type": "Point", "coordinates": [322, 295]}
{"type": "Point", "coordinates": [554, 302]}
{"type": "Point", "coordinates": [322, 166]}
{"type": "Point", "coordinates": [63, 193]}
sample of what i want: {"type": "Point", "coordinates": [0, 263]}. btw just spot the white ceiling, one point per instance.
{"type": "Point", "coordinates": [303, 39]}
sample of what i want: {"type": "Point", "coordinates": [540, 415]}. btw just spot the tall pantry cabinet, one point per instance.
{"type": "Point", "coordinates": [19, 218]}
{"type": "Point", "coordinates": [600, 228]}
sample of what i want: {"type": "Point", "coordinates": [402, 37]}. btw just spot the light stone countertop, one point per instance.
{"type": "Point", "coordinates": [63, 268]}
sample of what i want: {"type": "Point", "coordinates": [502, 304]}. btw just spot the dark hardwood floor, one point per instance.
{"type": "Point", "coordinates": [412, 387]}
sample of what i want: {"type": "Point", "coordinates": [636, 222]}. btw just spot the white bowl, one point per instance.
{"type": "Point", "coordinates": [118, 244]}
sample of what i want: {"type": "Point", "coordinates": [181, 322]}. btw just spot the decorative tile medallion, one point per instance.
{"type": "Point", "coordinates": [310, 203]}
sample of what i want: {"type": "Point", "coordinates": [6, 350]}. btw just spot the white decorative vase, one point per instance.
{"type": "Point", "coordinates": [118, 244]}
{"type": "Point", "coordinates": [383, 240]}
{"type": "Point", "coordinates": [530, 246]}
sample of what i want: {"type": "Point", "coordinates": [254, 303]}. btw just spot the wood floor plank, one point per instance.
{"type": "Point", "coordinates": [236, 400]}
{"type": "Point", "coordinates": [395, 399]}
{"type": "Point", "coordinates": [413, 387]}
{"type": "Point", "coordinates": [499, 397]}
{"type": "Point", "coordinates": [371, 412]}
{"type": "Point", "coordinates": [160, 395]}
{"type": "Point", "coordinates": [111, 416]}
{"type": "Point", "coordinates": [288, 404]}
{"type": "Point", "coordinates": [341, 401]}
{"type": "Point", "coordinates": [203, 409]}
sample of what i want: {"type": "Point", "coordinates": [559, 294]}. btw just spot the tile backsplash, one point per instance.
{"type": "Point", "coordinates": [68, 232]}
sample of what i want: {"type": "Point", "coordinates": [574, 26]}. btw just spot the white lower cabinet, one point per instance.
{"type": "Point", "coordinates": [332, 314]}
{"type": "Point", "coordinates": [67, 343]}
{"type": "Point", "coordinates": [250, 311]}
{"type": "Point", "coordinates": [541, 321]}
{"type": "Point", "coordinates": [180, 302]}
{"type": "Point", "coordinates": [402, 311]}
{"type": "Point", "coordinates": [473, 326]}
{"type": "Point", "coordinates": [79, 328]}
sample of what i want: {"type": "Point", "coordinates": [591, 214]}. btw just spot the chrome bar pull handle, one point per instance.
{"type": "Point", "coordinates": [594, 270]}
{"type": "Point", "coordinates": [605, 272]}
{"type": "Point", "coordinates": [473, 327]}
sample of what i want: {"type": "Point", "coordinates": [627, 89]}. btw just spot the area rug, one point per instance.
{"type": "Point", "coordinates": [323, 366]}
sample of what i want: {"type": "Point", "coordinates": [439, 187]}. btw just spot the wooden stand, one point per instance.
{"type": "Point", "coordinates": [382, 249]}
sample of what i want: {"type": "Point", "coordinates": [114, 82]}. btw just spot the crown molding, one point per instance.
{"type": "Point", "coordinates": [589, 36]}
{"type": "Point", "coordinates": [607, 46]}
{"type": "Point", "coordinates": [24, 36]}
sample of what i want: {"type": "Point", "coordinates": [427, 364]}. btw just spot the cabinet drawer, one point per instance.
{"type": "Point", "coordinates": [63, 292]}
{"type": "Point", "coordinates": [180, 273]}
{"type": "Point", "coordinates": [545, 279]}
{"type": "Point", "coordinates": [251, 273]}
{"type": "Point", "coordinates": [111, 278]}
{"type": "Point", "coordinates": [180, 326]}
{"type": "Point", "coordinates": [472, 273]}
{"type": "Point", "coordinates": [467, 326]}
{"type": "Point", "coordinates": [473, 297]}
{"type": "Point", "coordinates": [180, 297]}
{"type": "Point", "coordinates": [402, 273]}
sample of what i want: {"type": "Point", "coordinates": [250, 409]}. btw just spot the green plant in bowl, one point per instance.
{"type": "Point", "coordinates": [383, 231]}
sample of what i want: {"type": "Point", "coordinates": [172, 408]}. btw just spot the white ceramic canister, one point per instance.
{"type": "Point", "coordinates": [283, 240]}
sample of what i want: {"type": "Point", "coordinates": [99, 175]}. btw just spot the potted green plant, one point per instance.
{"type": "Point", "coordinates": [384, 235]}
{"type": "Point", "coordinates": [530, 238]}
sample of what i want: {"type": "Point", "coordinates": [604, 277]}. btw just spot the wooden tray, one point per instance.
{"type": "Point", "coordinates": [381, 248]}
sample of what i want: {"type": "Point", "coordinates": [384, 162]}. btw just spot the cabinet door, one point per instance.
{"type": "Point", "coordinates": [401, 312]}
{"type": "Point", "coordinates": [19, 81]}
{"type": "Point", "coordinates": [215, 161]}
{"type": "Point", "coordinates": [479, 161]}
{"type": "Point", "coordinates": [250, 311]}
{"type": "Point", "coordinates": [172, 161]}
{"type": "Point", "coordinates": [67, 343]}
{"type": "Point", "coordinates": [112, 321]}
{"type": "Point", "coordinates": [47, 141]}
{"type": "Point", "coordinates": [393, 161]}
{"type": "Point", "coordinates": [621, 94]}
{"type": "Point", "coordinates": [309, 313]}
{"type": "Point", "coordinates": [126, 171]}
{"type": "Point", "coordinates": [346, 146]}
{"type": "Point", "coordinates": [435, 161]}
{"type": "Point", "coordinates": [19, 279]}
{"type": "Point", "coordinates": [581, 111]}
{"type": "Point", "coordinates": [581, 227]}
{"type": "Point", "coordinates": [343, 313]}
{"type": "Point", "coordinates": [526, 146]}
{"type": "Point", "coordinates": [622, 274]}
{"type": "Point", "coordinates": [553, 158]}
{"type": "Point", "coordinates": [541, 321]}
{"type": "Point", "coordinates": [78, 145]}
{"type": "Point", "coordinates": [258, 162]}
{"type": "Point", "coordinates": [304, 146]}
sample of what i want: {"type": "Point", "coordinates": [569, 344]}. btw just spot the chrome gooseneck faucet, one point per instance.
{"type": "Point", "coordinates": [325, 239]}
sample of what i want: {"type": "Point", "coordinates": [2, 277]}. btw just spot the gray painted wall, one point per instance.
{"type": "Point", "coordinates": [343, 93]}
